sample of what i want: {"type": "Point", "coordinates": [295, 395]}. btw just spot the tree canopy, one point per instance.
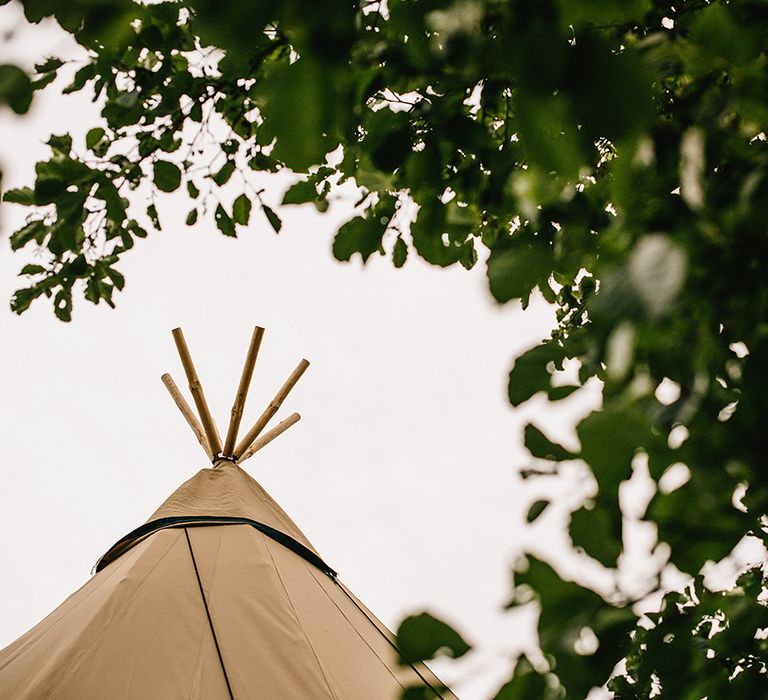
{"type": "Point", "coordinates": [610, 156]}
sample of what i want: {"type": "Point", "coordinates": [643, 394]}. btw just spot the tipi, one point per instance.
{"type": "Point", "coordinates": [218, 596]}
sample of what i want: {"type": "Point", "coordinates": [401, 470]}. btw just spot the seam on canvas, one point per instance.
{"type": "Point", "coordinates": [389, 641]}
{"type": "Point", "coordinates": [357, 632]}
{"type": "Point", "coordinates": [298, 619]}
{"type": "Point", "coordinates": [74, 663]}
{"type": "Point", "coordinates": [208, 615]}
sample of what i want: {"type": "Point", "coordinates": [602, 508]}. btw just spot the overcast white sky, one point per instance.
{"type": "Point", "coordinates": [401, 471]}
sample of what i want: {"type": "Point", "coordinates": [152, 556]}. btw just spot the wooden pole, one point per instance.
{"type": "Point", "coordinates": [242, 390]}
{"type": "Point", "coordinates": [270, 411]}
{"type": "Point", "coordinates": [187, 412]}
{"type": "Point", "coordinates": [197, 392]}
{"type": "Point", "coordinates": [270, 435]}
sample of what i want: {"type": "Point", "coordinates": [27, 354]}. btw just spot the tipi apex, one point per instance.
{"type": "Point", "coordinates": [218, 596]}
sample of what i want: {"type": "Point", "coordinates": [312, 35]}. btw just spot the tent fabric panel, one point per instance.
{"type": "Point", "coordinates": [356, 661]}
{"type": "Point", "coordinates": [356, 647]}
{"type": "Point", "coordinates": [258, 634]}
{"type": "Point", "coordinates": [135, 630]}
{"type": "Point", "coordinates": [419, 671]}
{"type": "Point", "coordinates": [231, 492]}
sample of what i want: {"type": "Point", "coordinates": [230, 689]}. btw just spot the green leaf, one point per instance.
{"type": "Point", "coordinates": [513, 273]}
{"type": "Point", "coordinates": [590, 13]}
{"type": "Point", "coordinates": [115, 205]}
{"type": "Point", "coordinates": [224, 173]}
{"type": "Point", "coordinates": [274, 220]}
{"type": "Point", "coordinates": [542, 447]}
{"type": "Point", "coordinates": [21, 195]}
{"type": "Point", "coordinates": [32, 270]}
{"type": "Point", "coordinates": [43, 81]}
{"type": "Point", "coordinates": [549, 132]}
{"type": "Point", "coordinates": [94, 136]}
{"type": "Point", "coordinates": [82, 76]}
{"type": "Point", "coordinates": [224, 221]}
{"type": "Point", "coordinates": [167, 176]}
{"type": "Point", "coordinates": [361, 235]}
{"type": "Point", "coordinates": [191, 219]}
{"type": "Point", "coordinates": [33, 231]}
{"type": "Point", "coordinates": [57, 177]}
{"type": "Point", "coordinates": [22, 298]}
{"type": "Point", "coordinates": [564, 604]}
{"type": "Point", "coordinates": [241, 210]}
{"type": "Point", "coordinates": [422, 637]}
{"type": "Point", "coordinates": [558, 393]}
{"type": "Point", "coordinates": [598, 532]}
{"type": "Point", "coordinates": [300, 193]}
{"type": "Point", "coordinates": [116, 278]}
{"type": "Point", "coordinates": [536, 509]}
{"type": "Point", "coordinates": [399, 252]}
{"type": "Point", "coordinates": [62, 305]}
{"type": "Point", "coordinates": [259, 161]}
{"type": "Point", "coordinates": [192, 189]}
{"type": "Point", "coordinates": [531, 372]}
{"type": "Point", "coordinates": [230, 146]}
{"type": "Point", "coordinates": [611, 91]}
{"type": "Point", "coordinates": [49, 64]}
{"type": "Point", "coordinates": [609, 440]}
{"type": "Point", "coordinates": [429, 233]}
{"type": "Point", "coordinates": [526, 684]}
{"type": "Point", "coordinates": [93, 290]}
{"type": "Point", "coordinates": [153, 217]}
{"type": "Point", "coordinates": [15, 88]}
{"type": "Point", "coordinates": [388, 138]}
{"type": "Point", "coordinates": [297, 105]}
{"type": "Point", "coordinates": [139, 231]}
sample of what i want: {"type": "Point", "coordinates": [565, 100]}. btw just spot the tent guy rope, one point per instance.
{"type": "Point", "coordinates": [205, 429]}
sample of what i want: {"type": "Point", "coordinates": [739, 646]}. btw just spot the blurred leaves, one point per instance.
{"type": "Point", "coordinates": [539, 445]}
{"type": "Point", "coordinates": [532, 372]}
{"type": "Point", "coordinates": [363, 234]}
{"type": "Point", "coordinates": [297, 109]}
{"type": "Point", "coordinates": [719, 635]}
{"type": "Point", "coordinates": [566, 610]}
{"type": "Point", "coordinates": [514, 272]}
{"type": "Point", "coordinates": [15, 88]}
{"type": "Point", "coordinates": [422, 637]}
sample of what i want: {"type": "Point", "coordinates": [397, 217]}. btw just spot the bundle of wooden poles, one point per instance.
{"type": "Point", "coordinates": [205, 428]}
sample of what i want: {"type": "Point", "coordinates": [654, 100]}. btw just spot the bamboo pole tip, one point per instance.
{"type": "Point", "coordinates": [304, 364]}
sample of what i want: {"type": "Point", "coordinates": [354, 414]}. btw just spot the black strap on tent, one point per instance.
{"type": "Point", "coordinates": [208, 615]}
{"type": "Point", "coordinates": [124, 544]}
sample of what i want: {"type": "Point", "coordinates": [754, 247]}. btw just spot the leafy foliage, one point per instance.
{"type": "Point", "coordinates": [422, 637]}
{"type": "Point", "coordinates": [720, 636]}
{"type": "Point", "coordinates": [610, 156]}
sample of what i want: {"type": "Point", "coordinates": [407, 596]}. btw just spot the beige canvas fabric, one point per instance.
{"type": "Point", "coordinates": [210, 611]}
{"type": "Point", "coordinates": [228, 491]}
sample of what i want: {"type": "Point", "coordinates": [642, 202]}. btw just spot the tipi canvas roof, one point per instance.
{"type": "Point", "coordinates": [217, 596]}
